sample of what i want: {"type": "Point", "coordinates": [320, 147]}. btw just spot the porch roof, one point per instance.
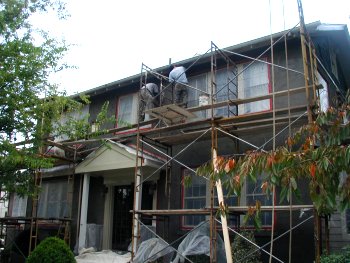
{"type": "Point", "coordinates": [115, 156]}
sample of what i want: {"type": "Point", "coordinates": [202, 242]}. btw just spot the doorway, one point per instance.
{"type": "Point", "coordinates": [122, 218]}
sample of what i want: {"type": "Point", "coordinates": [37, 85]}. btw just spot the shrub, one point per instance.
{"type": "Point", "coordinates": [342, 256]}
{"type": "Point", "coordinates": [51, 250]}
{"type": "Point", "coordinates": [241, 248]}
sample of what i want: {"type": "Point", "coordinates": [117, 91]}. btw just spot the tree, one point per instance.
{"type": "Point", "coordinates": [317, 153]}
{"type": "Point", "coordinates": [29, 103]}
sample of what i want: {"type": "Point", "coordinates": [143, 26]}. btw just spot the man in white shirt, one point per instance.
{"type": "Point", "coordinates": [178, 77]}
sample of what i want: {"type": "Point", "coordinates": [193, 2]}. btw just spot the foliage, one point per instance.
{"type": "Point", "coordinates": [28, 56]}
{"type": "Point", "coordinates": [341, 257]}
{"type": "Point", "coordinates": [198, 258]}
{"type": "Point", "coordinates": [51, 249]}
{"type": "Point", "coordinates": [315, 153]}
{"type": "Point", "coordinates": [242, 250]}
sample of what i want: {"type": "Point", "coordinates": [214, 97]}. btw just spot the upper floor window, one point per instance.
{"type": "Point", "coordinates": [226, 89]}
{"type": "Point", "coordinates": [334, 66]}
{"type": "Point", "coordinates": [323, 93]}
{"type": "Point", "coordinates": [127, 110]}
{"type": "Point", "coordinates": [253, 81]}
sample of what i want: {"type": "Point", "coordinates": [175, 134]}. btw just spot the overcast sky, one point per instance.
{"type": "Point", "coordinates": [113, 37]}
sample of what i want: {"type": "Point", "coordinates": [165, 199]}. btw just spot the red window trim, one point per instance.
{"type": "Point", "coordinates": [186, 227]}
{"type": "Point", "coordinates": [131, 130]}
{"type": "Point", "coordinates": [269, 85]}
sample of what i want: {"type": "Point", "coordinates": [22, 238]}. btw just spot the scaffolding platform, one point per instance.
{"type": "Point", "coordinates": [171, 114]}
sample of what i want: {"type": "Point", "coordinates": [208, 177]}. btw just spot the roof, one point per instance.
{"type": "Point", "coordinates": [339, 33]}
{"type": "Point", "coordinates": [114, 156]}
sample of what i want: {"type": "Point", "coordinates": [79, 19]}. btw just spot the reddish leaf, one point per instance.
{"type": "Point", "coordinates": [251, 210]}
{"type": "Point", "coordinates": [236, 179]}
{"type": "Point", "coordinates": [270, 161]}
{"type": "Point", "coordinates": [219, 163]}
{"type": "Point", "coordinates": [264, 186]}
{"type": "Point", "coordinates": [312, 170]}
{"type": "Point", "coordinates": [229, 165]}
{"type": "Point", "coordinates": [290, 142]}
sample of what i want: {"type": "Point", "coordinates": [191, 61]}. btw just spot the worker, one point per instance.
{"type": "Point", "coordinates": [177, 76]}
{"type": "Point", "coordinates": [149, 99]}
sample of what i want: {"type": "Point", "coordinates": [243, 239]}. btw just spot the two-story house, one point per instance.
{"type": "Point", "coordinates": [251, 97]}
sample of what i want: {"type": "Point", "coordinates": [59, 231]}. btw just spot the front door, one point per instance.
{"type": "Point", "coordinates": [122, 218]}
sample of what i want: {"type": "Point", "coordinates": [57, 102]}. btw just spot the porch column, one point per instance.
{"type": "Point", "coordinates": [83, 211]}
{"type": "Point", "coordinates": [137, 206]}
{"type": "Point", "coordinates": [108, 219]}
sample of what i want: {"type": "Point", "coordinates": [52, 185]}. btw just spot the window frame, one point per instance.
{"type": "Point", "coordinates": [218, 99]}
{"type": "Point", "coordinates": [323, 99]}
{"type": "Point", "coordinates": [183, 191]}
{"type": "Point", "coordinates": [241, 90]}
{"type": "Point", "coordinates": [19, 205]}
{"type": "Point", "coordinates": [61, 203]}
{"type": "Point", "coordinates": [201, 114]}
{"type": "Point", "coordinates": [243, 197]}
{"type": "Point", "coordinates": [134, 112]}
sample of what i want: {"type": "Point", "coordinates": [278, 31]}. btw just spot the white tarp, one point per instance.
{"type": "Point", "coordinates": [104, 256]}
{"type": "Point", "coordinates": [198, 243]}
{"type": "Point", "coordinates": [152, 249]}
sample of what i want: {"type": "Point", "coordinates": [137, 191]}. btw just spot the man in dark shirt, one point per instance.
{"type": "Point", "coordinates": [149, 98]}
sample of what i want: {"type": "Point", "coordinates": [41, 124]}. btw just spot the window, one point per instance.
{"type": "Point", "coordinates": [347, 218]}
{"type": "Point", "coordinates": [199, 82]}
{"type": "Point", "coordinates": [53, 199]}
{"type": "Point", "coordinates": [197, 196]}
{"type": "Point", "coordinates": [323, 93]}
{"type": "Point", "coordinates": [127, 110]}
{"type": "Point", "coordinates": [226, 88]}
{"type": "Point", "coordinates": [333, 58]}
{"type": "Point", "coordinates": [19, 207]}
{"type": "Point", "coordinates": [253, 81]}
{"type": "Point", "coordinates": [255, 193]}
{"type": "Point", "coordinates": [194, 197]}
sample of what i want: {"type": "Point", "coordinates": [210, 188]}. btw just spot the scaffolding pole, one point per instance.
{"type": "Point", "coordinates": [306, 42]}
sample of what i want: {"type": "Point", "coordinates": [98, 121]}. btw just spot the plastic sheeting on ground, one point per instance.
{"type": "Point", "coordinates": [198, 243]}
{"type": "Point", "coordinates": [94, 234]}
{"type": "Point", "coordinates": [148, 250]}
{"type": "Point", "coordinates": [104, 256]}
{"type": "Point", "coordinates": [145, 234]}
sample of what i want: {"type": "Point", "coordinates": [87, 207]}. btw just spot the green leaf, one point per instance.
{"type": "Point", "coordinates": [283, 194]}
{"type": "Point", "coordinates": [293, 183]}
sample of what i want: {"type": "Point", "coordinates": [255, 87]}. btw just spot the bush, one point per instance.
{"type": "Point", "coordinates": [342, 256]}
{"type": "Point", "coordinates": [51, 250]}
{"type": "Point", "coordinates": [241, 248]}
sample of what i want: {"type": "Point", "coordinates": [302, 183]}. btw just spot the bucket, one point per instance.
{"type": "Point", "coordinates": [203, 100]}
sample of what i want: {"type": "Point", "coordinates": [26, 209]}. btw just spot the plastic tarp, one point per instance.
{"type": "Point", "coordinates": [148, 250]}
{"type": "Point", "coordinates": [94, 235]}
{"type": "Point", "coordinates": [198, 243]}
{"type": "Point", "coordinates": [104, 256]}
{"type": "Point", "coordinates": [145, 234]}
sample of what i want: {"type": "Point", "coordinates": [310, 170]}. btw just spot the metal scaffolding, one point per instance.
{"type": "Point", "coordinates": [170, 128]}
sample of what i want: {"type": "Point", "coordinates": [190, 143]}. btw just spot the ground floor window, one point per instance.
{"type": "Point", "coordinates": [197, 196]}
{"type": "Point", "coordinates": [53, 199]}
{"type": "Point", "coordinates": [347, 217]}
{"type": "Point", "coordinates": [19, 205]}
